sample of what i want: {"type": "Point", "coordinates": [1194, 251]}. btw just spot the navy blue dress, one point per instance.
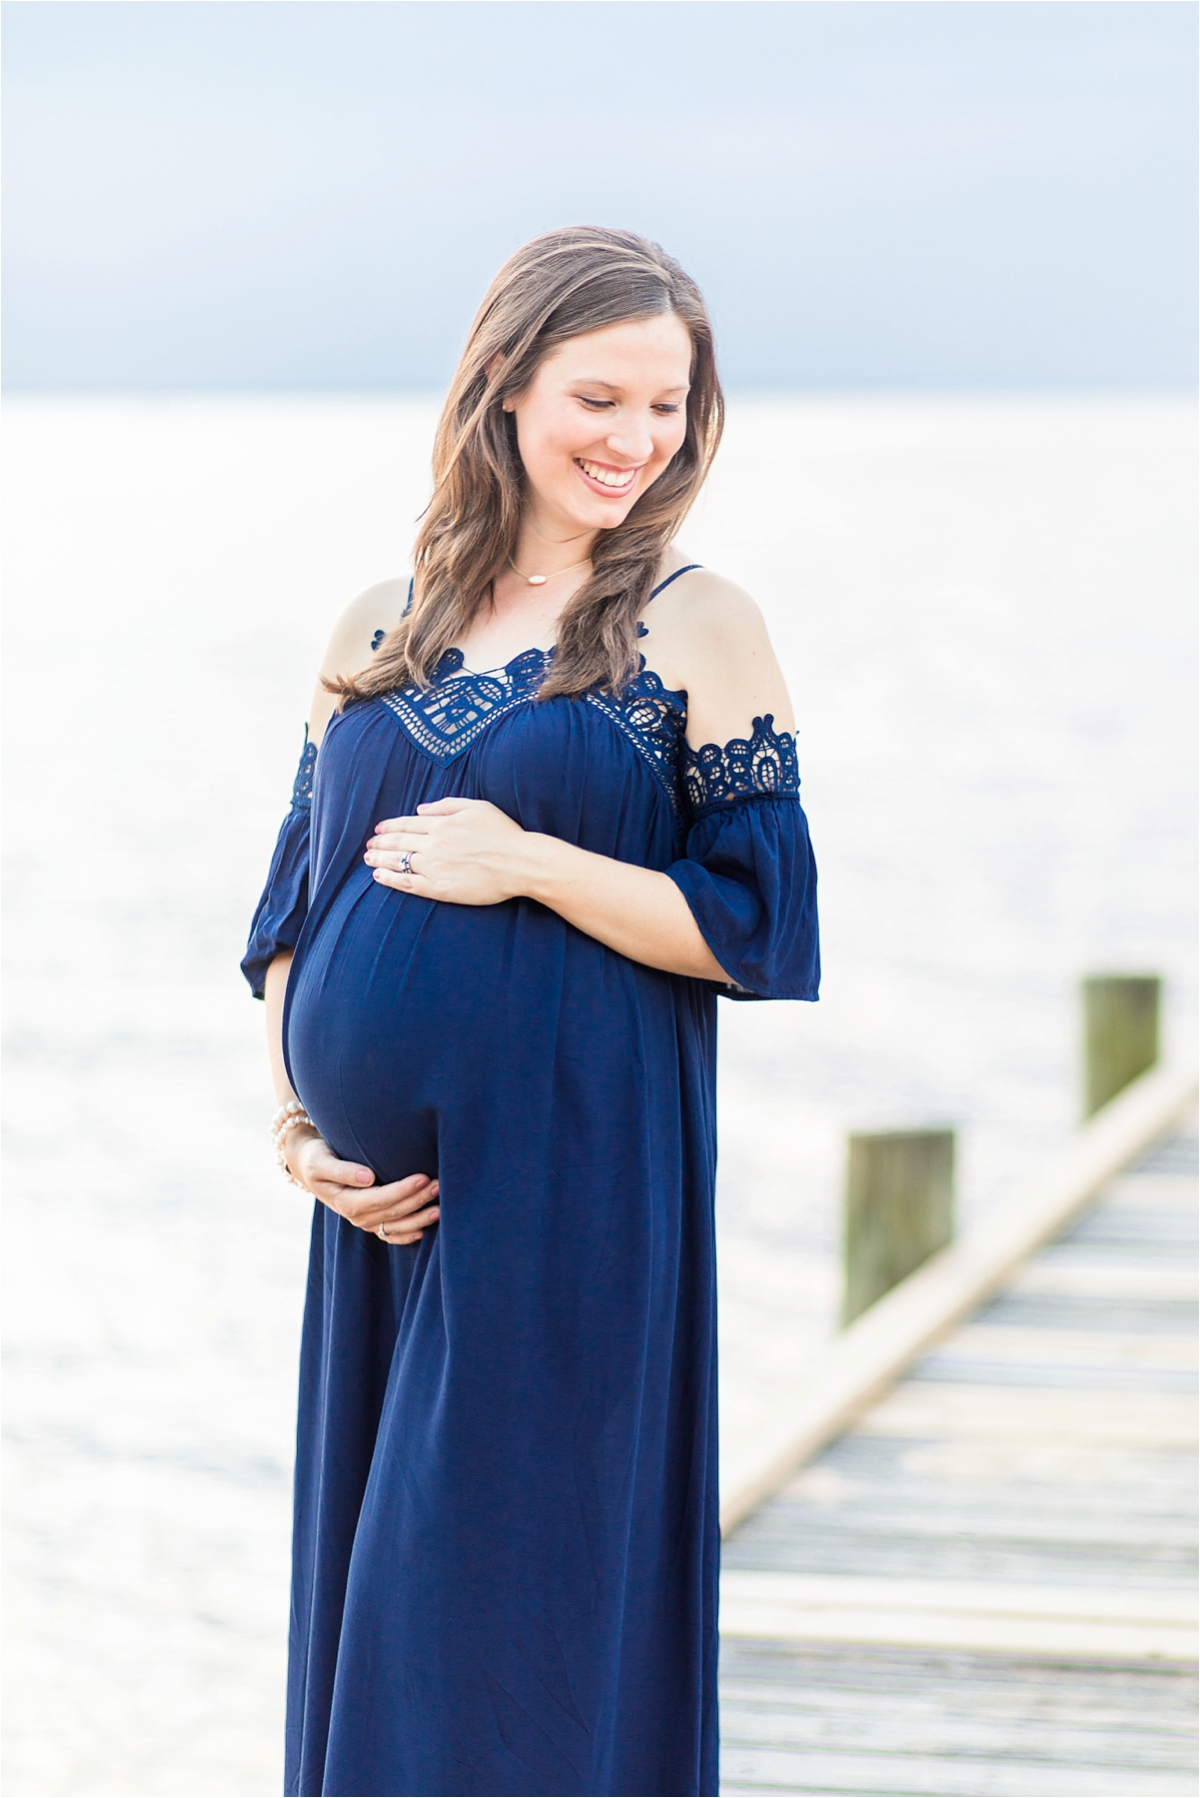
{"type": "Point", "coordinates": [506, 1543]}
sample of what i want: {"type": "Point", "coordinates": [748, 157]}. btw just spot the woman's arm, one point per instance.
{"type": "Point", "coordinates": [633, 910]}
{"type": "Point", "coordinates": [468, 852]}
{"type": "Point", "coordinates": [273, 994]}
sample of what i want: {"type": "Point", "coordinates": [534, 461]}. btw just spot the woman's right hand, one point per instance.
{"type": "Point", "coordinates": [406, 1208]}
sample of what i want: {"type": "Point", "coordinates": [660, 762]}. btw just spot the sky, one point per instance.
{"type": "Point", "coordinates": [313, 194]}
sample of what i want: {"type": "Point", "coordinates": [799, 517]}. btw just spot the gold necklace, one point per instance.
{"type": "Point", "coordinates": [539, 580]}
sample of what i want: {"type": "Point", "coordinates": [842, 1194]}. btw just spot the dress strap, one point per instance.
{"type": "Point", "coordinates": [674, 577]}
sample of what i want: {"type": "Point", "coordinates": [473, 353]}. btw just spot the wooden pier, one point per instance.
{"type": "Point", "coordinates": [987, 1585]}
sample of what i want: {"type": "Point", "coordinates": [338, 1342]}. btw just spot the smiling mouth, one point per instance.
{"type": "Point", "coordinates": [615, 480]}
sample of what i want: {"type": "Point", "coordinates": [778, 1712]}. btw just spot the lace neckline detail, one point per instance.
{"type": "Point", "coordinates": [653, 718]}
{"type": "Point", "coordinates": [445, 718]}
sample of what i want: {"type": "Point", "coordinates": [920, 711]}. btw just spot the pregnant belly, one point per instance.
{"type": "Point", "coordinates": [404, 1016]}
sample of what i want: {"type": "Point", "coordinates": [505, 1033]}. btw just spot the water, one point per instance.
{"type": "Point", "coordinates": [984, 607]}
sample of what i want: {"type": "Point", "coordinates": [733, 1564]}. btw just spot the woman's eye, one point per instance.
{"type": "Point", "coordinates": [667, 410]}
{"type": "Point", "coordinates": [596, 405]}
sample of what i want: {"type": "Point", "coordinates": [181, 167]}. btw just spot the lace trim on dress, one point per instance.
{"type": "Point", "coordinates": [763, 766]}
{"type": "Point", "coordinates": [444, 718]}
{"type": "Point", "coordinates": [302, 787]}
{"type": "Point", "coordinates": [651, 717]}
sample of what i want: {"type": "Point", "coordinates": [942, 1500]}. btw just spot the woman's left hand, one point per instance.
{"type": "Point", "coordinates": [461, 851]}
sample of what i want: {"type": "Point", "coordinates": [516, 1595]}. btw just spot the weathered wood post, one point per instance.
{"type": "Point", "coordinates": [1120, 1033]}
{"type": "Point", "coordinates": [899, 1209]}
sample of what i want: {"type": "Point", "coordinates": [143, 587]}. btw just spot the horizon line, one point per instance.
{"type": "Point", "coordinates": [379, 390]}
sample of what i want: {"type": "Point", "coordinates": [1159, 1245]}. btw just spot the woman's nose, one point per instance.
{"type": "Point", "coordinates": [631, 440]}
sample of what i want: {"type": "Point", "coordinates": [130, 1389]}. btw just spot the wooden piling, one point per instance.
{"type": "Point", "coordinates": [899, 1209]}
{"type": "Point", "coordinates": [1120, 1033]}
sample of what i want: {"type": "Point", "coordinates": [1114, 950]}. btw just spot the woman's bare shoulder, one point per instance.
{"type": "Point", "coordinates": [707, 635]}
{"type": "Point", "coordinates": [352, 642]}
{"type": "Point", "coordinates": [701, 602]}
{"type": "Point", "coordinates": [375, 609]}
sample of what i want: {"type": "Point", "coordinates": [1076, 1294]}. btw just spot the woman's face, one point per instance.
{"type": "Point", "coordinates": [601, 419]}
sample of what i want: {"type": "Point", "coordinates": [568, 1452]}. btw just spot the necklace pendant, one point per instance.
{"type": "Point", "coordinates": [537, 580]}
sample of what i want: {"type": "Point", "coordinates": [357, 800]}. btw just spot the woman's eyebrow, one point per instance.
{"type": "Point", "coordinates": [613, 387]}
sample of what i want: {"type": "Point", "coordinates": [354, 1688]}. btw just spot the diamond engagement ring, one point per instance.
{"type": "Point", "coordinates": [406, 862]}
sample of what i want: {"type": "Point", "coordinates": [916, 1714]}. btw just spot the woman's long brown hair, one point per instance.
{"type": "Point", "coordinates": [557, 287]}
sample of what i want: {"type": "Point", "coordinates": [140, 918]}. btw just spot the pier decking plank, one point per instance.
{"type": "Point", "coordinates": [988, 1585]}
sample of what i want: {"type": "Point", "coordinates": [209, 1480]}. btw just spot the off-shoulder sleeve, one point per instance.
{"type": "Point", "coordinates": [284, 903]}
{"type": "Point", "coordinates": [748, 872]}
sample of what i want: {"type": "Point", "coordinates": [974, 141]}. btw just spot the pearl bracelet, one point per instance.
{"type": "Point", "coordinates": [288, 1115]}
{"type": "Point", "coordinates": [293, 1108]}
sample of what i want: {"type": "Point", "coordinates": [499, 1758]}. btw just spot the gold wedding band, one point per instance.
{"type": "Point", "coordinates": [381, 1232]}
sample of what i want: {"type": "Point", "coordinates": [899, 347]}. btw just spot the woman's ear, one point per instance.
{"type": "Point", "coordinates": [493, 367]}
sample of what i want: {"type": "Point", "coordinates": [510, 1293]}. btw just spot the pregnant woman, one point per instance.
{"type": "Point", "coordinates": [553, 815]}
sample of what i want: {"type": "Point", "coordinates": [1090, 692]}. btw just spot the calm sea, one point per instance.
{"type": "Point", "coordinates": [985, 609]}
